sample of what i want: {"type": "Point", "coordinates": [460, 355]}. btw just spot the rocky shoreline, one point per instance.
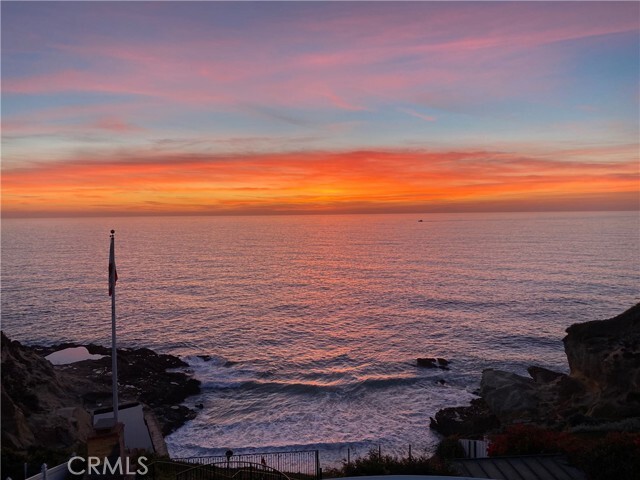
{"type": "Point", "coordinates": [47, 406]}
{"type": "Point", "coordinates": [601, 392]}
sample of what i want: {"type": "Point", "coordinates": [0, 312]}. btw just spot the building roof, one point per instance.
{"type": "Point", "coordinates": [526, 467]}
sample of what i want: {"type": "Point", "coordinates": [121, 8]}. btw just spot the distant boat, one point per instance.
{"type": "Point", "coordinates": [420, 220]}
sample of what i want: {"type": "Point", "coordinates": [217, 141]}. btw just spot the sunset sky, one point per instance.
{"type": "Point", "coordinates": [115, 108]}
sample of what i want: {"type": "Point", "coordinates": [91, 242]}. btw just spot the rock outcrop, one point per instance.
{"type": "Point", "coordinates": [604, 356]}
{"type": "Point", "coordinates": [602, 388]}
{"type": "Point", "coordinates": [543, 375]}
{"type": "Point", "coordinates": [510, 397]}
{"type": "Point", "coordinates": [46, 405]}
{"type": "Point", "coordinates": [468, 422]}
{"type": "Point", "coordinates": [143, 375]}
{"type": "Point", "coordinates": [432, 362]}
{"type": "Point", "coordinates": [33, 396]}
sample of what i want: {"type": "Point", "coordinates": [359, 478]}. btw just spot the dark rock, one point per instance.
{"type": "Point", "coordinates": [430, 362]}
{"type": "Point", "coordinates": [604, 355]}
{"type": "Point", "coordinates": [96, 398]}
{"type": "Point", "coordinates": [427, 362]}
{"type": "Point", "coordinates": [470, 421]}
{"type": "Point", "coordinates": [33, 392]}
{"type": "Point", "coordinates": [578, 419]}
{"type": "Point", "coordinates": [173, 417]}
{"type": "Point", "coordinates": [601, 392]}
{"type": "Point", "coordinates": [33, 389]}
{"type": "Point", "coordinates": [603, 386]}
{"type": "Point", "coordinates": [16, 432]}
{"type": "Point", "coordinates": [633, 397]}
{"type": "Point", "coordinates": [509, 396]}
{"type": "Point", "coordinates": [569, 387]}
{"type": "Point", "coordinates": [543, 375]}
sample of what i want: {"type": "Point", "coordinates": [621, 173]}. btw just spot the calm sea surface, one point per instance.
{"type": "Point", "coordinates": [313, 323]}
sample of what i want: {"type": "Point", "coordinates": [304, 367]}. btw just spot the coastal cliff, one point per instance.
{"type": "Point", "coordinates": [604, 356]}
{"type": "Point", "coordinates": [601, 392]}
{"type": "Point", "coordinates": [34, 396]}
{"type": "Point", "coordinates": [47, 406]}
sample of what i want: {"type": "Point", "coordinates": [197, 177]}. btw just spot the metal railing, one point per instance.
{"type": "Point", "coordinates": [232, 471]}
{"type": "Point", "coordinates": [299, 465]}
{"type": "Point", "coordinates": [59, 472]}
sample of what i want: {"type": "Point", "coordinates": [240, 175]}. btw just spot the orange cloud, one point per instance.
{"type": "Point", "coordinates": [392, 180]}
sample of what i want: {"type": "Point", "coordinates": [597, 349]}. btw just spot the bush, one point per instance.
{"type": "Point", "coordinates": [526, 440]}
{"type": "Point", "coordinates": [616, 456]}
{"type": "Point", "coordinates": [375, 463]}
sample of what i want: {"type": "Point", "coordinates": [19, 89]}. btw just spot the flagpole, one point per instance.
{"type": "Point", "coordinates": [114, 350]}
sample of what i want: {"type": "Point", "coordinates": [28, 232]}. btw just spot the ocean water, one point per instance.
{"type": "Point", "coordinates": [310, 325]}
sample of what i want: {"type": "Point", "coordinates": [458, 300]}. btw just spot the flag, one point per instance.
{"type": "Point", "coordinates": [113, 274]}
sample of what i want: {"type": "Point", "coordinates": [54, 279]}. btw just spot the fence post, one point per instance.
{"type": "Point", "coordinates": [43, 469]}
{"type": "Point", "coordinates": [318, 469]}
{"type": "Point", "coordinates": [25, 470]}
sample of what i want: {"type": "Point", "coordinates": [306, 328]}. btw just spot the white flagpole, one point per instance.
{"type": "Point", "coordinates": [114, 351]}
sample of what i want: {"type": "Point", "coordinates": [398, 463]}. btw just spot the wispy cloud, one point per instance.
{"type": "Point", "coordinates": [205, 106]}
{"type": "Point", "coordinates": [309, 180]}
{"type": "Point", "coordinates": [413, 113]}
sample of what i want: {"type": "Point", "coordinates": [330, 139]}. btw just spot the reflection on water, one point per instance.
{"type": "Point", "coordinates": [314, 322]}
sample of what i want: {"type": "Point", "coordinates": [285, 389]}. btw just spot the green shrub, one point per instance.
{"type": "Point", "coordinates": [526, 440]}
{"type": "Point", "coordinates": [616, 456]}
{"type": "Point", "coordinates": [376, 464]}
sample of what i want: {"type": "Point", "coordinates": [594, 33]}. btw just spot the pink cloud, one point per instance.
{"type": "Point", "coordinates": [115, 124]}
{"type": "Point", "coordinates": [426, 118]}
{"type": "Point", "coordinates": [434, 51]}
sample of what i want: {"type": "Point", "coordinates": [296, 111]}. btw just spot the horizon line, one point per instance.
{"type": "Point", "coordinates": [43, 215]}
